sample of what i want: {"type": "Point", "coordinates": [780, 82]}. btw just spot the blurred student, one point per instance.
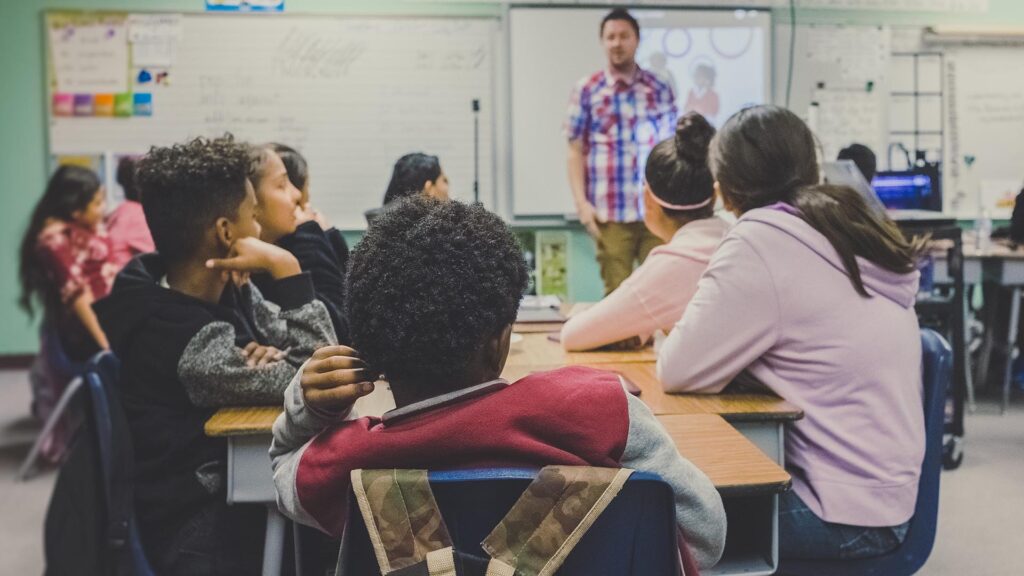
{"type": "Point", "coordinates": [678, 208]}
{"type": "Point", "coordinates": [194, 335]}
{"type": "Point", "coordinates": [126, 225]}
{"type": "Point", "coordinates": [811, 294]}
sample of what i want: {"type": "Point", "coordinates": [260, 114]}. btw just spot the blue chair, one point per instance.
{"type": "Point", "coordinates": [937, 369]}
{"type": "Point", "coordinates": [636, 534]}
{"type": "Point", "coordinates": [53, 363]}
{"type": "Point", "coordinates": [115, 451]}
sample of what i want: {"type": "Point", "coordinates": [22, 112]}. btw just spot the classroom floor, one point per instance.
{"type": "Point", "coordinates": [979, 518]}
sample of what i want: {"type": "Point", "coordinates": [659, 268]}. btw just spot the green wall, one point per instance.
{"type": "Point", "coordinates": [23, 120]}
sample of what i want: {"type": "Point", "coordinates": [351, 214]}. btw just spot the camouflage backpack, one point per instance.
{"type": "Point", "coordinates": [410, 538]}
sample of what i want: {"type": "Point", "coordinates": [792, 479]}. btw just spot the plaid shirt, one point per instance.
{"type": "Point", "coordinates": [619, 123]}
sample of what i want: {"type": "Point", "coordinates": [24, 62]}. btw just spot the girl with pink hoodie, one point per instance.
{"type": "Point", "coordinates": [811, 294]}
{"type": "Point", "coordinates": [679, 209]}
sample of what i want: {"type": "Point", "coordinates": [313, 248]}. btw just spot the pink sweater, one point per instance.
{"type": "Point", "coordinates": [654, 296]}
{"type": "Point", "coordinates": [776, 303]}
{"type": "Point", "coordinates": [129, 233]}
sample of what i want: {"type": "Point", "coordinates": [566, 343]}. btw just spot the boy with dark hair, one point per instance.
{"type": "Point", "coordinates": [192, 336]}
{"type": "Point", "coordinates": [863, 157]}
{"type": "Point", "coordinates": [434, 288]}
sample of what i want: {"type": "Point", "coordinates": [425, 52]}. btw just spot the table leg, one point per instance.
{"type": "Point", "coordinates": [1011, 345]}
{"type": "Point", "coordinates": [273, 545]}
{"type": "Point", "coordinates": [988, 342]}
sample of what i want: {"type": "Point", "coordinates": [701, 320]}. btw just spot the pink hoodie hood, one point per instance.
{"type": "Point", "coordinates": [900, 288]}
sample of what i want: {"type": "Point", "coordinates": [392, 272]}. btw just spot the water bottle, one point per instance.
{"type": "Point", "coordinates": [983, 229]}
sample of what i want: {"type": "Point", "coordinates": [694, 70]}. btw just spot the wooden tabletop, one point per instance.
{"type": "Point", "coordinates": [251, 421]}
{"type": "Point", "coordinates": [732, 407]}
{"type": "Point", "coordinates": [537, 349]}
{"type": "Point", "coordinates": [734, 465]}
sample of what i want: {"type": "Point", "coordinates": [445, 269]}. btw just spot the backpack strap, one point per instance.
{"type": "Point", "coordinates": [403, 521]}
{"type": "Point", "coordinates": [550, 518]}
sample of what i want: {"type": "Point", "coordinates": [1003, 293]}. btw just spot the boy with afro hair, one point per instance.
{"type": "Point", "coordinates": [193, 335]}
{"type": "Point", "coordinates": [433, 291]}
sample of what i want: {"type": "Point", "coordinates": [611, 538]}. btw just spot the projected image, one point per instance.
{"type": "Point", "coordinates": [713, 71]}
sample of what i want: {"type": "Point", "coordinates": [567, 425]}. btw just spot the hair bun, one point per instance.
{"type": "Point", "coordinates": [693, 137]}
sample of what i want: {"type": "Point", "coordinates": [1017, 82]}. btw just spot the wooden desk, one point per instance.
{"type": "Point", "coordinates": [761, 418]}
{"type": "Point", "coordinates": [537, 350]}
{"type": "Point", "coordinates": [735, 466]}
{"type": "Point", "coordinates": [1003, 265]}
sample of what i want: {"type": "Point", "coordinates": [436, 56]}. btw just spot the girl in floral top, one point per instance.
{"type": "Point", "coordinates": [66, 260]}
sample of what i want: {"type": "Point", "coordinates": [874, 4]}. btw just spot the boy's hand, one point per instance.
{"type": "Point", "coordinates": [257, 355]}
{"type": "Point", "coordinates": [254, 255]}
{"type": "Point", "coordinates": [334, 378]}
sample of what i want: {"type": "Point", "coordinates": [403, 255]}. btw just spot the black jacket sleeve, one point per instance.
{"type": "Point", "coordinates": [312, 247]}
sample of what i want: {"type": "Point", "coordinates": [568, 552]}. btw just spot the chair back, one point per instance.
{"type": "Point", "coordinates": [116, 463]}
{"type": "Point", "coordinates": [636, 533]}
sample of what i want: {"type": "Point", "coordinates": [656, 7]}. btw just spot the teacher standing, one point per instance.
{"type": "Point", "coordinates": [616, 116]}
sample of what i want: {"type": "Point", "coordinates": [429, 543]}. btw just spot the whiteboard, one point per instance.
{"type": "Point", "coordinates": [551, 49]}
{"type": "Point", "coordinates": [985, 108]}
{"type": "Point", "coordinates": [352, 94]}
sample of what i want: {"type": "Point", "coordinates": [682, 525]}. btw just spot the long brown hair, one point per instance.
{"type": "Point", "coordinates": [766, 154]}
{"type": "Point", "coordinates": [71, 188]}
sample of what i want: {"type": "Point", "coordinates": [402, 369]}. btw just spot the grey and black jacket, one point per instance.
{"type": "Point", "coordinates": [182, 360]}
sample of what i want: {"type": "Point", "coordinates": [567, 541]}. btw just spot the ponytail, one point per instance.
{"type": "Point", "coordinates": [842, 216]}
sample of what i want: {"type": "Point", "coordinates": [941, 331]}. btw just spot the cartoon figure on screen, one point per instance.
{"type": "Point", "coordinates": [658, 64]}
{"type": "Point", "coordinates": [702, 97]}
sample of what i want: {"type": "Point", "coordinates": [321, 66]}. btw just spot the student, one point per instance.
{"type": "Point", "coordinates": [811, 294]}
{"type": "Point", "coordinates": [193, 336]}
{"type": "Point", "coordinates": [129, 233]}
{"type": "Point", "coordinates": [679, 209]}
{"type": "Point", "coordinates": [863, 157]}
{"type": "Point", "coordinates": [66, 260]}
{"type": "Point", "coordinates": [298, 174]}
{"type": "Point", "coordinates": [442, 341]}
{"type": "Point", "coordinates": [414, 173]}
{"type": "Point", "coordinates": [280, 217]}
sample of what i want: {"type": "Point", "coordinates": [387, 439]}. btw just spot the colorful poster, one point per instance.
{"type": "Point", "coordinates": [63, 104]}
{"type": "Point", "coordinates": [88, 53]}
{"type": "Point", "coordinates": [554, 264]}
{"type": "Point", "coordinates": [123, 104]}
{"type": "Point", "coordinates": [103, 105]}
{"type": "Point", "coordinates": [142, 104]}
{"type": "Point", "coordinates": [83, 105]}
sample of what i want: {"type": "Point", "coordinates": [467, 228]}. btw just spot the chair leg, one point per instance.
{"type": "Point", "coordinates": [988, 342]}
{"type": "Point", "coordinates": [1011, 346]}
{"type": "Point", "coordinates": [297, 548]}
{"type": "Point", "coordinates": [28, 465]}
{"type": "Point", "coordinates": [273, 545]}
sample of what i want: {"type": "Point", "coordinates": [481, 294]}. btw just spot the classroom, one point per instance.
{"type": "Point", "coordinates": [511, 287]}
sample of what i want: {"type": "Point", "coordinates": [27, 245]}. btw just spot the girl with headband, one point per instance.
{"type": "Point", "coordinates": [678, 208]}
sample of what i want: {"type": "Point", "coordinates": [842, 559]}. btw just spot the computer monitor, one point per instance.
{"type": "Point", "coordinates": [916, 189]}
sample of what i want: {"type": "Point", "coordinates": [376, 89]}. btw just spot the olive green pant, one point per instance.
{"type": "Point", "coordinates": [620, 246]}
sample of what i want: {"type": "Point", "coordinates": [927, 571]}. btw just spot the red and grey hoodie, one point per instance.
{"type": "Point", "coordinates": [572, 416]}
